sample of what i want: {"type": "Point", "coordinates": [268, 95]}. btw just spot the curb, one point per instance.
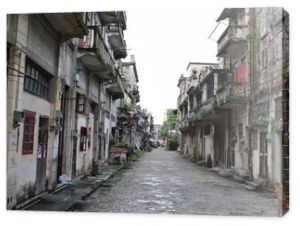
{"type": "Point", "coordinates": [36, 199]}
{"type": "Point", "coordinates": [235, 178]}
{"type": "Point", "coordinates": [87, 194]}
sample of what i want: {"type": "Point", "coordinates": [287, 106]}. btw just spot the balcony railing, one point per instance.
{"type": "Point", "coordinates": [117, 41]}
{"type": "Point", "coordinates": [114, 17]}
{"type": "Point", "coordinates": [116, 88]}
{"type": "Point", "coordinates": [208, 106]}
{"type": "Point", "coordinates": [184, 123]}
{"type": "Point", "coordinates": [115, 28]}
{"type": "Point", "coordinates": [235, 34]}
{"type": "Point", "coordinates": [231, 95]}
{"type": "Point", "coordinates": [182, 99]}
{"type": "Point", "coordinates": [93, 41]}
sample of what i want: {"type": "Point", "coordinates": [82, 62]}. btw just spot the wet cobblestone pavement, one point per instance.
{"type": "Point", "coordinates": [164, 182]}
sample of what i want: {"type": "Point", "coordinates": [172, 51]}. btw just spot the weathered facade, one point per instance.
{"type": "Point", "coordinates": [231, 113]}
{"type": "Point", "coordinates": [40, 58]}
{"type": "Point", "coordinates": [65, 87]}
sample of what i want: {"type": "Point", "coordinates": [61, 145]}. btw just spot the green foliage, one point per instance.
{"type": "Point", "coordinates": [172, 136]}
{"type": "Point", "coordinates": [130, 150]}
{"type": "Point", "coordinates": [172, 139]}
{"type": "Point", "coordinates": [128, 107]}
{"type": "Point", "coordinates": [134, 156]}
{"type": "Point", "coordinates": [113, 141]}
{"type": "Point", "coordinates": [171, 119]}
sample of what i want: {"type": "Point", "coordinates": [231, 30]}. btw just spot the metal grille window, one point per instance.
{"type": "Point", "coordinates": [37, 80]}
{"type": "Point", "coordinates": [28, 134]}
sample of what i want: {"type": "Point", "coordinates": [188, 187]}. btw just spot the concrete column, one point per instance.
{"type": "Point", "coordinates": [15, 81]}
{"type": "Point", "coordinates": [109, 130]}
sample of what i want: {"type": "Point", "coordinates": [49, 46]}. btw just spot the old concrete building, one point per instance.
{"type": "Point", "coordinates": [254, 49]}
{"type": "Point", "coordinates": [40, 58]}
{"type": "Point", "coordinates": [99, 84]}
{"type": "Point", "coordinates": [66, 85]}
{"type": "Point", "coordinates": [231, 113]}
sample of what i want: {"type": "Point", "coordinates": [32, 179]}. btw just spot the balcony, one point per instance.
{"type": "Point", "coordinates": [179, 100]}
{"type": "Point", "coordinates": [183, 124]}
{"type": "Point", "coordinates": [232, 95]}
{"type": "Point", "coordinates": [192, 88]}
{"type": "Point", "coordinates": [182, 100]}
{"type": "Point", "coordinates": [69, 25]}
{"type": "Point", "coordinates": [207, 107]}
{"type": "Point", "coordinates": [94, 54]}
{"type": "Point", "coordinates": [114, 17]}
{"type": "Point", "coordinates": [116, 88]}
{"type": "Point", "coordinates": [117, 42]}
{"type": "Point", "coordinates": [233, 41]}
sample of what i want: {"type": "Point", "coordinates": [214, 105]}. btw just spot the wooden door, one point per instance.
{"type": "Point", "coordinates": [263, 155]}
{"type": "Point", "coordinates": [40, 184]}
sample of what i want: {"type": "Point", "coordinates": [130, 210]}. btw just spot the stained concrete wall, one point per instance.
{"type": "Point", "coordinates": [43, 44]}
{"type": "Point", "coordinates": [26, 36]}
{"type": "Point", "coordinates": [80, 160]}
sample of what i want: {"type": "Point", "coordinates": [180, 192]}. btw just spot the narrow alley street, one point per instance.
{"type": "Point", "coordinates": [164, 182]}
{"type": "Point", "coordinates": [90, 93]}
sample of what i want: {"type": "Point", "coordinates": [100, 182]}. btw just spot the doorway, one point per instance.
{"type": "Point", "coordinates": [61, 151]}
{"type": "Point", "coordinates": [263, 155]}
{"type": "Point", "coordinates": [40, 184]}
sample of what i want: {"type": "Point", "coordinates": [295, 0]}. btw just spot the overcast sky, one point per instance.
{"type": "Point", "coordinates": [164, 42]}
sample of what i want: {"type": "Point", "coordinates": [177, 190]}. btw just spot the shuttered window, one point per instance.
{"type": "Point", "coordinates": [28, 135]}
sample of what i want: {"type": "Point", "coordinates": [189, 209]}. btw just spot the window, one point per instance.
{"type": "Point", "coordinates": [80, 103]}
{"type": "Point", "coordinates": [28, 134]}
{"type": "Point", "coordinates": [83, 134]}
{"type": "Point", "coordinates": [37, 80]}
{"type": "Point", "coordinates": [263, 109]}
